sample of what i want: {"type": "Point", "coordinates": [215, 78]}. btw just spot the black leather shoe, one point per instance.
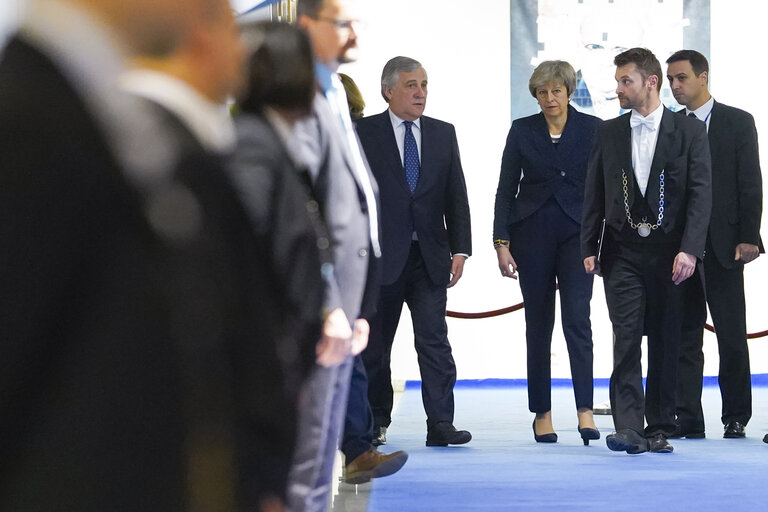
{"type": "Point", "coordinates": [659, 444]}
{"type": "Point", "coordinates": [734, 430]}
{"type": "Point", "coordinates": [379, 436]}
{"type": "Point", "coordinates": [626, 440]}
{"type": "Point", "coordinates": [444, 433]}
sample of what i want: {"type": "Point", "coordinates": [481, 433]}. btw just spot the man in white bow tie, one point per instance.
{"type": "Point", "coordinates": [649, 177]}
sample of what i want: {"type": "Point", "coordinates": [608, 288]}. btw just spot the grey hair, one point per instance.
{"type": "Point", "coordinates": [549, 71]}
{"type": "Point", "coordinates": [392, 70]}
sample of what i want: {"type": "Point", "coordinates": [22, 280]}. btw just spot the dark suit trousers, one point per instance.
{"type": "Point", "coordinates": [358, 423]}
{"type": "Point", "coordinates": [725, 296]}
{"type": "Point", "coordinates": [639, 292]}
{"type": "Point", "coordinates": [427, 303]}
{"type": "Point", "coordinates": [546, 249]}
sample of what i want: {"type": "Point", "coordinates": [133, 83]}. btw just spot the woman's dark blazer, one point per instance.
{"type": "Point", "coordinates": [533, 169]}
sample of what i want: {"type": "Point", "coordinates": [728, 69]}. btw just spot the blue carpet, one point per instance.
{"type": "Point", "coordinates": [502, 468]}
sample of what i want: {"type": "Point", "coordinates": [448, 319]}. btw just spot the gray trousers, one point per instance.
{"type": "Point", "coordinates": [322, 407]}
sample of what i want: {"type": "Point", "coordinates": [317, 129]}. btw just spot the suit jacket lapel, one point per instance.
{"type": "Point", "coordinates": [666, 134]}
{"type": "Point", "coordinates": [430, 144]}
{"type": "Point", "coordinates": [337, 130]}
{"type": "Point", "coordinates": [623, 145]}
{"type": "Point", "coordinates": [389, 150]}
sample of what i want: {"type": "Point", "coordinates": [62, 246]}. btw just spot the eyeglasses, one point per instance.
{"type": "Point", "coordinates": [341, 24]}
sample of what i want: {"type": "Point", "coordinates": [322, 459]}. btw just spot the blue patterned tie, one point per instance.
{"type": "Point", "coordinates": [410, 157]}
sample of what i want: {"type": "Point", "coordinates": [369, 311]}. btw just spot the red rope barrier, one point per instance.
{"type": "Point", "coordinates": [518, 307]}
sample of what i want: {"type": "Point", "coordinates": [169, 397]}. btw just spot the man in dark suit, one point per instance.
{"type": "Point", "coordinates": [733, 240]}
{"type": "Point", "coordinates": [426, 238]}
{"type": "Point", "coordinates": [346, 193]}
{"type": "Point", "coordinates": [250, 283]}
{"type": "Point", "coordinates": [649, 178]}
{"type": "Point", "coordinates": [92, 404]}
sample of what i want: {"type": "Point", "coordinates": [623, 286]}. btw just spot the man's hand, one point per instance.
{"type": "Point", "coordinates": [683, 267]}
{"type": "Point", "coordinates": [591, 266]}
{"type": "Point", "coordinates": [271, 503]}
{"type": "Point", "coordinates": [360, 334]}
{"type": "Point", "coordinates": [335, 343]}
{"type": "Point", "coordinates": [457, 268]}
{"type": "Point", "coordinates": [746, 252]}
{"type": "Point", "coordinates": [507, 263]}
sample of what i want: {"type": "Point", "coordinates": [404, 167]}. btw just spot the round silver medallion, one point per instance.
{"type": "Point", "coordinates": [643, 230]}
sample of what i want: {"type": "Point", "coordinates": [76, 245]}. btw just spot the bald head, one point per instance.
{"type": "Point", "coordinates": [210, 55]}
{"type": "Point", "coordinates": [144, 26]}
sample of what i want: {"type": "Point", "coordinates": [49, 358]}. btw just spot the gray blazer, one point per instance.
{"type": "Point", "coordinates": [325, 151]}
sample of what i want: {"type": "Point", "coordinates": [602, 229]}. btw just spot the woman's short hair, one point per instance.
{"type": "Point", "coordinates": [281, 70]}
{"type": "Point", "coordinates": [553, 71]}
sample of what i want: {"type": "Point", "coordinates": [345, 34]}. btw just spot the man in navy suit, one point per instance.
{"type": "Point", "coordinates": [649, 177]}
{"type": "Point", "coordinates": [733, 240]}
{"type": "Point", "coordinates": [426, 238]}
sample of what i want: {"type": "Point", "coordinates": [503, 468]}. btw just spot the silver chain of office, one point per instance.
{"type": "Point", "coordinates": [643, 228]}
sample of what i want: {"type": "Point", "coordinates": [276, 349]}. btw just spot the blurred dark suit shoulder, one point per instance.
{"type": "Point", "coordinates": [89, 379]}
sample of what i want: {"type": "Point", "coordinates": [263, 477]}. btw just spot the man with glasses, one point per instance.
{"type": "Point", "coordinates": [345, 190]}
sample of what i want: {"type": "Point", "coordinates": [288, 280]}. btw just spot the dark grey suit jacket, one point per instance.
{"type": "Point", "coordinates": [438, 210]}
{"type": "Point", "coordinates": [682, 151]}
{"type": "Point", "coordinates": [737, 184]}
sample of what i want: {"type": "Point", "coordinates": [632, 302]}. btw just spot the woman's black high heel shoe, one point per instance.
{"type": "Point", "coordinates": [544, 438]}
{"type": "Point", "coordinates": [588, 434]}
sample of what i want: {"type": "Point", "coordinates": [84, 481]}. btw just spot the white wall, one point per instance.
{"type": "Point", "coordinates": [465, 48]}
{"type": "Point", "coordinates": [10, 14]}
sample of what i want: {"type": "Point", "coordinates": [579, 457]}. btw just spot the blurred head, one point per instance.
{"type": "Point", "coordinates": [281, 71]}
{"type": "Point", "coordinates": [332, 29]}
{"type": "Point", "coordinates": [404, 87]}
{"type": "Point", "coordinates": [688, 75]}
{"type": "Point", "coordinates": [145, 26]}
{"type": "Point", "coordinates": [354, 97]}
{"type": "Point", "coordinates": [638, 78]}
{"type": "Point", "coordinates": [221, 49]}
{"type": "Point", "coordinates": [211, 54]}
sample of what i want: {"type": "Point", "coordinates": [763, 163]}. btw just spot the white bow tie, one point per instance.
{"type": "Point", "coordinates": [636, 120]}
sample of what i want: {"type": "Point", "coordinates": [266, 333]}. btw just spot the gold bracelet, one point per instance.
{"type": "Point", "coordinates": [500, 243]}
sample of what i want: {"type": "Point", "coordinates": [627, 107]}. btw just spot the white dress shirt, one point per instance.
{"type": "Point", "coordinates": [704, 112]}
{"type": "Point", "coordinates": [644, 136]}
{"type": "Point", "coordinates": [209, 122]}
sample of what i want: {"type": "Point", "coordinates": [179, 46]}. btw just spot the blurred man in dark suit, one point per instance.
{"type": "Point", "coordinates": [91, 382]}
{"type": "Point", "coordinates": [649, 179]}
{"type": "Point", "coordinates": [733, 240]}
{"type": "Point", "coordinates": [426, 237]}
{"type": "Point", "coordinates": [250, 285]}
